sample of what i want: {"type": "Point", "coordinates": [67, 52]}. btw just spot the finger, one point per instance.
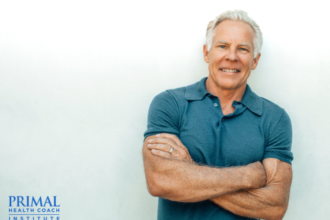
{"type": "Point", "coordinates": [175, 139]}
{"type": "Point", "coordinates": [162, 141]}
{"type": "Point", "coordinates": [162, 147]}
{"type": "Point", "coordinates": [171, 143]}
{"type": "Point", "coordinates": [170, 136]}
{"type": "Point", "coordinates": [166, 148]}
{"type": "Point", "coordinates": [160, 153]}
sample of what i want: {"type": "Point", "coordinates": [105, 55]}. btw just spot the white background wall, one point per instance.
{"type": "Point", "coordinates": [77, 78]}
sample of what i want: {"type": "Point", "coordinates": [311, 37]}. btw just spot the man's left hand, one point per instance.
{"type": "Point", "coordinates": [162, 146]}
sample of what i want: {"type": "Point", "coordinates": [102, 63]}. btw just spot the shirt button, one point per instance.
{"type": "Point", "coordinates": [215, 104]}
{"type": "Point", "coordinates": [222, 119]}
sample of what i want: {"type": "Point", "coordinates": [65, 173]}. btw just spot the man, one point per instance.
{"type": "Point", "coordinates": [214, 149]}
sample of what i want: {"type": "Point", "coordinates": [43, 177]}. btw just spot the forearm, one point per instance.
{"type": "Point", "coordinates": [266, 203]}
{"type": "Point", "coordinates": [186, 182]}
{"type": "Point", "coordinates": [269, 202]}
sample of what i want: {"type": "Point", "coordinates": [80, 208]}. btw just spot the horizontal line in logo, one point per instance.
{"type": "Point", "coordinates": [34, 214]}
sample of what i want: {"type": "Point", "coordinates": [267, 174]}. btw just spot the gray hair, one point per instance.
{"type": "Point", "coordinates": [236, 15]}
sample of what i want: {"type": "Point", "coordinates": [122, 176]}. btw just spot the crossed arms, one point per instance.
{"type": "Point", "coordinates": [256, 190]}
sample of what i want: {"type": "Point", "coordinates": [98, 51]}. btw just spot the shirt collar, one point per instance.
{"type": "Point", "coordinates": [196, 91]}
{"type": "Point", "coordinates": [251, 100]}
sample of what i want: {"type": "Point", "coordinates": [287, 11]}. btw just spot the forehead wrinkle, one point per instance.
{"type": "Point", "coordinates": [222, 41]}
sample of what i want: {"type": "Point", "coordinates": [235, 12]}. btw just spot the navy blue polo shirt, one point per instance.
{"type": "Point", "coordinates": [257, 129]}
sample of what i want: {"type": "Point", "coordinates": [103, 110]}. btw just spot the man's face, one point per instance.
{"type": "Point", "coordinates": [231, 55]}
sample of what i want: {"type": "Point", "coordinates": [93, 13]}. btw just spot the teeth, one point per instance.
{"type": "Point", "coordinates": [229, 70]}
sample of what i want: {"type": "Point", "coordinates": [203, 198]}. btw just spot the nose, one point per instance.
{"type": "Point", "coordinates": [231, 55]}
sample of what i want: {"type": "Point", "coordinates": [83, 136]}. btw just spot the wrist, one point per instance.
{"type": "Point", "coordinates": [247, 178]}
{"type": "Point", "coordinates": [255, 175]}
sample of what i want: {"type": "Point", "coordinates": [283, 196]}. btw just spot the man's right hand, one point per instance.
{"type": "Point", "coordinates": [257, 175]}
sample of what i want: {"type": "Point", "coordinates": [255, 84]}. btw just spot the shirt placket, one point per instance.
{"type": "Point", "coordinates": [220, 118]}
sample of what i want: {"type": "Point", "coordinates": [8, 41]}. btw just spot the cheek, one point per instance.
{"type": "Point", "coordinates": [215, 62]}
{"type": "Point", "coordinates": [246, 63]}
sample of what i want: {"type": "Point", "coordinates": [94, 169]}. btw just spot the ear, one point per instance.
{"type": "Point", "coordinates": [255, 61]}
{"type": "Point", "coordinates": [206, 54]}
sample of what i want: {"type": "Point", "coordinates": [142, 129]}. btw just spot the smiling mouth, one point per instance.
{"type": "Point", "coordinates": [230, 70]}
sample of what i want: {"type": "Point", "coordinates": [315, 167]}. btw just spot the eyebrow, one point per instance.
{"type": "Point", "coordinates": [242, 44]}
{"type": "Point", "coordinates": [245, 44]}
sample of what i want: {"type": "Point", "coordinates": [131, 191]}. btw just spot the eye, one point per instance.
{"type": "Point", "coordinates": [222, 46]}
{"type": "Point", "coordinates": [243, 49]}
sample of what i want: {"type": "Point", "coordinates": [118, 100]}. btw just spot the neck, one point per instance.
{"type": "Point", "coordinates": [226, 96]}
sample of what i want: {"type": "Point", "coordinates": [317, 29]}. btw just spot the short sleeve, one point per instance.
{"type": "Point", "coordinates": [280, 140]}
{"type": "Point", "coordinates": [163, 115]}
